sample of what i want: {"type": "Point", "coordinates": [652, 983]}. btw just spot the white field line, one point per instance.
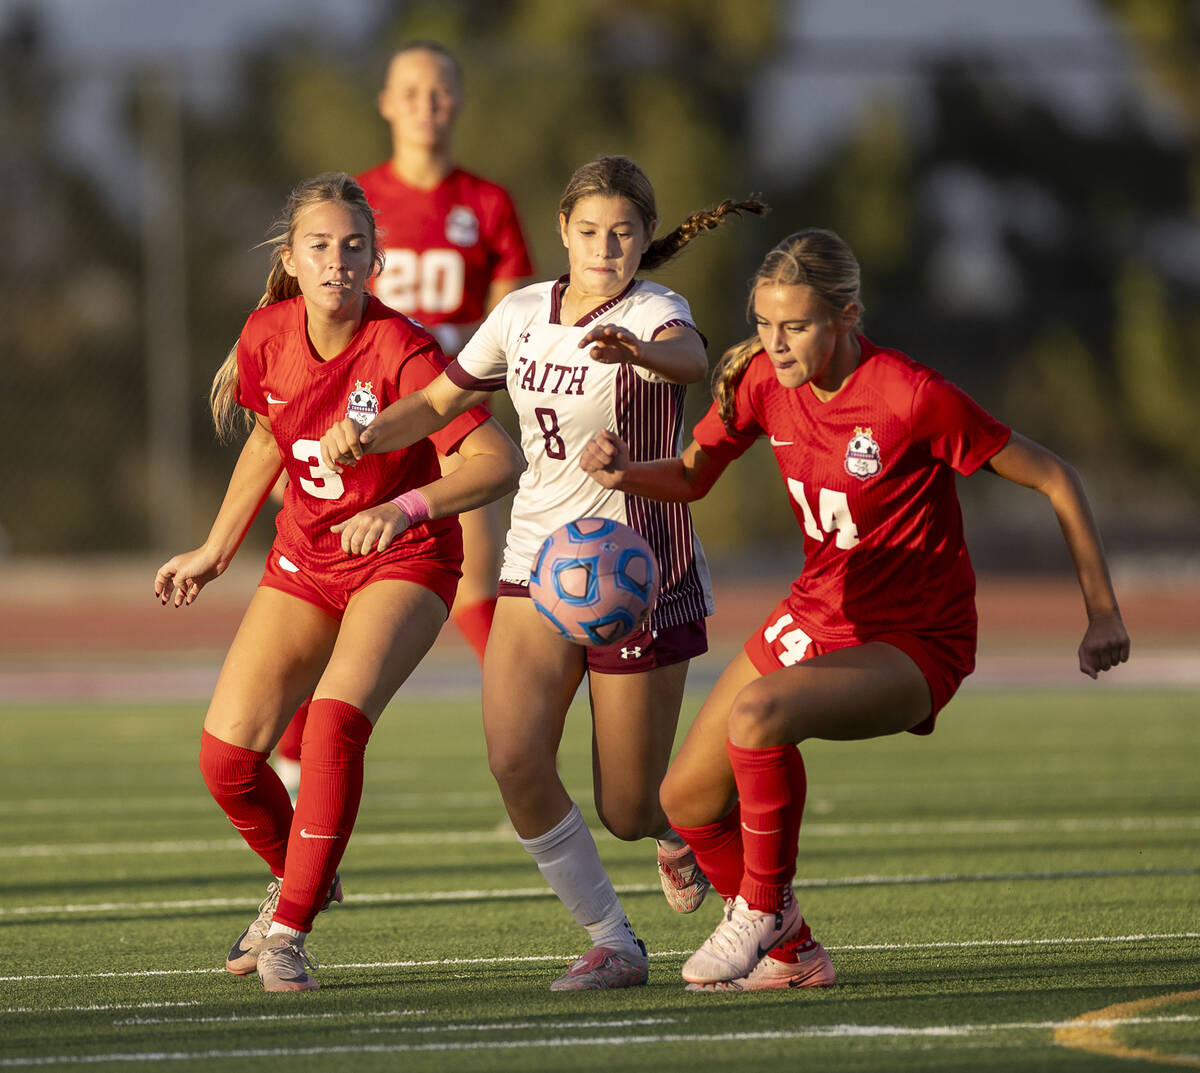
{"type": "Point", "coordinates": [434, 896]}
{"type": "Point", "coordinates": [201, 802]}
{"type": "Point", "coordinates": [531, 959]}
{"type": "Point", "coordinates": [343, 1016]}
{"type": "Point", "coordinates": [504, 834]}
{"type": "Point", "coordinates": [504, 894]}
{"type": "Point", "coordinates": [836, 1031]}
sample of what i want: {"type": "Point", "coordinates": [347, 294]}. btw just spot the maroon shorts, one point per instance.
{"type": "Point", "coordinates": [332, 594]}
{"type": "Point", "coordinates": [641, 651]}
{"type": "Point", "coordinates": [944, 659]}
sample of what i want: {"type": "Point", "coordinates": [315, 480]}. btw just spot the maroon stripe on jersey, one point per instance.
{"type": "Point", "coordinates": [678, 322]}
{"type": "Point", "coordinates": [463, 379]}
{"type": "Point", "coordinates": [649, 417]}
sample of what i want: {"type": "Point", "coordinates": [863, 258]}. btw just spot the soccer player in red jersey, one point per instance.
{"type": "Point", "coordinates": [596, 348]}
{"type": "Point", "coordinates": [355, 590]}
{"type": "Point", "coordinates": [453, 247]}
{"type": "Point", "coordinates": [879, 629]}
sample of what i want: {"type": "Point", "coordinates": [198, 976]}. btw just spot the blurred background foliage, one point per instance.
{"type": "Point", "coordinates": [1049, 268]}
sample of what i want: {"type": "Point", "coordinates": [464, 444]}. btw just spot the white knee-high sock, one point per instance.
{"type": "Point", "coordinates": [566, 855]}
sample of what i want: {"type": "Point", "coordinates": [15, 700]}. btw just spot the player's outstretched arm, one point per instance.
{"type": "Point", "coordinates": [399, 425]}
{"type": "Point", "coordinates": [1022, 461]}
{"type": "Point", "coordinates": [676, 355]}
{"type": "Point", "coordinates": [180, 579]}
{"type": "Point", "coordinates": [674, 480]}
{"type": "Point", "coordinates": [492, 463]}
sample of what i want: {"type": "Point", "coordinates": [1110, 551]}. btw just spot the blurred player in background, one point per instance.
{"type": "Point", "coordinates": [597, 348]}
{"type": "Point", "coordinates": [879, 628]}
{"type": "Point", "coordinates": [452, 249]}
{"type": "Point", "coordinates": [328, 619]}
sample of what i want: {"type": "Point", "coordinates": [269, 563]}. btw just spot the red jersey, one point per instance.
{"type": "Point", "coordinates": [281, 377]}
{"type": "Point", "coordinates": [871, 479]}
{"type": "Point", "coordinates": [444, 247]}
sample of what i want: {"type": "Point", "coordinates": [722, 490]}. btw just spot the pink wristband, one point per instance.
{"type": "Point", "coordinates": [414, 505]}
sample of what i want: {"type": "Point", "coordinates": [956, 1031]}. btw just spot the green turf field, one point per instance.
{"type": "Point", "coordinates": [1035, 861]}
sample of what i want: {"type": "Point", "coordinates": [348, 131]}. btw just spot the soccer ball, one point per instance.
{"type": "Point", "coordinates": [594, 581]}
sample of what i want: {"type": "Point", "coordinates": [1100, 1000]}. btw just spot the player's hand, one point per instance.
{"type": "Point", "coordinates": [612, 345]}
{"type": "Point", "coordinates": [1105, 644]}
{"type": "Point", "coordinates": [371, 529]}
{"type": "Point", "coordinates": [180, 579]}
{"type": "Point", "coordinates": [342, 445]}
{"type": "Point", "coordinates": [605, 459]}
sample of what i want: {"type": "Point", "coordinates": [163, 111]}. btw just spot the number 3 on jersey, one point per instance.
{"type": "Point", "coordinates": [324, 483]}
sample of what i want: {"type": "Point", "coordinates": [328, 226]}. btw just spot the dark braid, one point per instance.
{"type": "Point", "coordinates": [661, 250]}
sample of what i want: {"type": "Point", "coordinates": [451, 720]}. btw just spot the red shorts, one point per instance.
{"type": "Point", "coordinates": [944, 659]}
{"type": "Point", "coordinates": [641, 651]}
{"type": "Point", "coordinates": [332, 594]}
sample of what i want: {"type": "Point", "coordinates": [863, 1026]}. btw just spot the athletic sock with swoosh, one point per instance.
{"type": "Point", "coordinates": [251, 794]}
{"type": "Point", "coordinates": [772, 787]}
{"type": "Point", "coordinates": [331, 782]}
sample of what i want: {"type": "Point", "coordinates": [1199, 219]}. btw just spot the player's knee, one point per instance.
{"type": "Point", "coordinates": [757, 719]}
{"type": "Point", "coordinates": [516, 769]}
{"type": "Point", "coordinates": [632, 820]}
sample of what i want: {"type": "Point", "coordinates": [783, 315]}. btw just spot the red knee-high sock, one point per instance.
{"type": "Point", "coordinates": [251, 795]}
{"type": "Point", "coordinates": [772, 787]}
{"type": "Point", "coordinates": [718, 850]}
{"type": "Point", "coordinates": [331, 781]}
{"type": "Point", "coordinates": [289, 744]}
{"type": "Point", "coordinates": [474, 622]}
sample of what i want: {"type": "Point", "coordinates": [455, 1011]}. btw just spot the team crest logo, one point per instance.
{"type": "Point", "coordinates": [462, 227]}
{"type": "Point", "coordinates": [362, 405]}
{"type": "Point", "coordinates": [862, 454]}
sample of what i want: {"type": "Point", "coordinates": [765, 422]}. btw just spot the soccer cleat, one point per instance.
{"type": "Point", "coordinates": [743, 938]}
{"type": "Point", "coordinates": [243, 955]}
{"type": "Point", "coordinates": [602, 968]}
{"type": "Point", "coordinates": [813, 968]}
{"type": "Point", "coordinates": [284, 964]}
{"type": "Point", "coordinates": [682, 881]}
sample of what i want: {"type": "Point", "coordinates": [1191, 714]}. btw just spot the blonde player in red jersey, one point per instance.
{"type": "Point", "coordinates": [345, 610]}
{"type": "Point", "coordinates": [597, 348]}
{"type": "Point", "coordinates": [879, 629]}
{"type": "Point", "coordinates": [453, 247]}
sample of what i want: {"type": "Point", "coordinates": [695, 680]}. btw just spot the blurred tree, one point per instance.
{"type": "Point", "coordinates": [70, 381]}
{"type": "Point", "coordinates": [1036, 263]}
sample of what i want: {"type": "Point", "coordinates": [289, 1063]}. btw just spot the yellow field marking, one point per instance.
{"type": "Point", "coordinates": [1093, 1032]}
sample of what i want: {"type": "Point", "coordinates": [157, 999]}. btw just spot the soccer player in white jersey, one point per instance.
{"type": "Point", "coordinates": [596, 349]}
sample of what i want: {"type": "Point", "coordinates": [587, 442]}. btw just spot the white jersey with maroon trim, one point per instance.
{"type": "Point", "coordinates": [562, 399]}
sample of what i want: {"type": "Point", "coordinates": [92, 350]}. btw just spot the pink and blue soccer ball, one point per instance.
{"type": "Point", "coordinates": [594, 581]}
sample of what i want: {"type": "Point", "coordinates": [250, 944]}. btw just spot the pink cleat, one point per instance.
{"type": "Point", "coordinates": [602, 968]}
{"type": "Point", "coordinates": [812, 968]}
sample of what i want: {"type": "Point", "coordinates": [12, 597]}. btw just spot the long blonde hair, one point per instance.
{"type": "Point", "coordinates": [328, 186]}
{"type": "Point", "coordinates": [820, 260]}
{"type": "Point", "coordinates": [618, 176]}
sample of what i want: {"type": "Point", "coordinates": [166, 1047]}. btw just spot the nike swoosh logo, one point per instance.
{"type": "Point", "coordinates": [239, 827]}
{"type": "Point", "coordinates": [274, 401]}
{"type": "Point", "coordinates": [799, 981]}
{"type": "Point", "coordinates": [305, 834]}
{"type": "Point", "coordinates": [774, 441]}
